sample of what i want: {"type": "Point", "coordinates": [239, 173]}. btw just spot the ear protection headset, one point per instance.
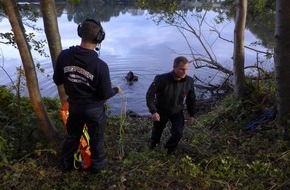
{"type": "Point", "coordinates": [101, 34]}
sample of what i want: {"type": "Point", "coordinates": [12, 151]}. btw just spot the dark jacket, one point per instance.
{"type": "Point", "coordinates": [166, 95]}
{"type": "Point", "coordinates": [84, 75]}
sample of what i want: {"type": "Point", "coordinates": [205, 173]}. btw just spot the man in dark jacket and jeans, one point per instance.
{"type": "Point", "coordinates": [165, 98]}
{"type": "Point", "coordinates": [87, 83]}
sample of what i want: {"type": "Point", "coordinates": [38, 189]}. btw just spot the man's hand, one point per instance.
{"type": "Point", "coordinates": [190, 120]}
{"type": "Point", "coordinates": [119, 89]}
{"type": "Point", "coordinates": [155, 117]}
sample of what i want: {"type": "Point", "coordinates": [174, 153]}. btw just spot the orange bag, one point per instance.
{"type": "Point", "coordinates": [83, 154]}
{"type": "Point", "coordinates": [64, 113]}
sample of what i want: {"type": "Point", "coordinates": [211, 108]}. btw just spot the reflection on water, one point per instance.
{"type": "Point", "coordinates": [133, 43]}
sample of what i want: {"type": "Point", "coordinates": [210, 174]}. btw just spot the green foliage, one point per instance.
{"type": "Point", "coordinates": [216, 153]}
{"type": "Point", "coordinates": [3, 145]}
{"type": "Point", "coordinates": [19, 130]}
{"type": "Point", "coordinates": [28, 11]}
{"type": "Point", "coordinates": [188, 166]}
{"type": "Point", "coordinates": [75, 1]}
{"type": "Point", "coordinates": [259, 6]}
{"type": "Point", "coordinates": [160, 6]}
{"type": "Point", "coordinates": [161, 10]}
{"type": "Point", "coordinates": [254, 7]}
{"type": "Point", "coordinates": [260, 19]}
{"type": "Point", "coordinates": [53, 106]}
{"type": "Point", "coordinates": [8, 106]}
{"type": "Point", "coordinates": [29, 15]}
{"type": "Point", "coordinates": [36, 45]}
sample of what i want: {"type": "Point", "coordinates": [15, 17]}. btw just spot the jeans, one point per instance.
{"type": "Point", "coordinates": [177, 121]}
{"type": "Point", "coordinates": [93, 115]}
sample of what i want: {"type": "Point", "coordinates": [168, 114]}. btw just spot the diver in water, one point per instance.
{"type": "Point", "coordinates": [131, 77]}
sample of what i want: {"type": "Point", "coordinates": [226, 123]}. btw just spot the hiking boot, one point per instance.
{"type": "Point", "coordinates": [96, 168]}
{"type": "Point", "coordinates": [171, 151]}
{"type": "Point", "coordinates": [92, 170]}
{"type": "Point", "coordinates": [151, 144]}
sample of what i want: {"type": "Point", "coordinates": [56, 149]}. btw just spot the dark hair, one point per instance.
{"type": "Point", "coordinates": [131, 77]}
{"type": "Point", "coordinates": [91, 31]}
{"type": "Point", "coordinates": [180, 59]}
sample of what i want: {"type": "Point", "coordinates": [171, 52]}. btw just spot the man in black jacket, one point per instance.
{"type": "Point", "coordinates": [165, 98]}
{"type": "Point", "coordinates": [87, 83]}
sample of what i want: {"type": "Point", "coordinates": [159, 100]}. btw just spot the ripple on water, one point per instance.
{"type": "Point", "coordinates": [133, 97]}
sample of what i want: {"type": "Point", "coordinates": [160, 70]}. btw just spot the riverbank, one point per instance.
{"type": "Point", "coordinates": [215, 153]}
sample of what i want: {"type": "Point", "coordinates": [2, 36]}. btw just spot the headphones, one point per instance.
{"type": "Point", "coordinates": [101, 34]}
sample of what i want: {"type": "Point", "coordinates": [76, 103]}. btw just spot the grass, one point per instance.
{"type": "Point", "coordinates": [215, 153]}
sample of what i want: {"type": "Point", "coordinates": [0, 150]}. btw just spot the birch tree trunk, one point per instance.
{"type": "Point", "coordinates": [29, 69]}
{"type": "Point", "coordinates": [239, 52]}
{"type": "Point", "coordinates": [282, 59]}
{"type": "Point", "coordinates": [52, 34]}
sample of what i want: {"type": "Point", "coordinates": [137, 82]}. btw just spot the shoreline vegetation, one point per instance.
{"type": "Point", "coordinates": [216, 153]}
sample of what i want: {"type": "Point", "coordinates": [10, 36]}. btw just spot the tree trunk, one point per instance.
{"type": "Point", "coordinates": [29, 69]}
{"type": "Point", "coordinates": [52, 34]}
{"type": "Point", "coordinates": [282, 59]}
{"type": "Point", "coordinates": [239, 53]}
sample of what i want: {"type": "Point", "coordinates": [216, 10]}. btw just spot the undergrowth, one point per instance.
{"type": "Point", "coordinates": [217, 152]}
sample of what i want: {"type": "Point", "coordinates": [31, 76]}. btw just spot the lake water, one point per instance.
{"type": "Point", "coordinates": [133, 43]}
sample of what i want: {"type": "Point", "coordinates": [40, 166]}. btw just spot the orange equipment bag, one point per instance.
{"type": "Point", "coordinates": [82, 155]}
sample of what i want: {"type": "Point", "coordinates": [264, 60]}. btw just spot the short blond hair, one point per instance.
{"type": "Point", "coordinates": [179, 60]}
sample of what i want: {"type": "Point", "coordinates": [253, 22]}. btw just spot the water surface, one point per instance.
{"type": "Point", "coordinates": [133, 43]}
